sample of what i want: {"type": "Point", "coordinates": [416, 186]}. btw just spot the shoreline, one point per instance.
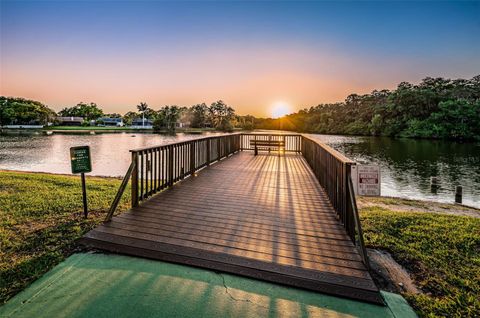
{"type": "Point", "coordinates": [59, 174]}
{"type": "Point", "coordinates": [95, 130]}
{"type": "Point", "coordinates": [417, 206]}
{"type": "Point", "coordinates": [453, 139]}
{"type": "Point", "coordinates": [86, 130]}
{"type": "Point", "coordinates": [397, 204]}
{"type": "Point", "coordinates": [388, 202]}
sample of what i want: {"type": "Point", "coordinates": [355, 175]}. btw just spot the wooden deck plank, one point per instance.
{"type": "Point", "coordinates": [254, 225]}
{"type": "Point", "coordinates": [313, 242]}
{"type": "Point", "coordinates": [258, 253]}
{"type": "Point", "coordinates": [262, 216]}
{"type": "Point", "coordinates": [254, 269]}
{"type": "Point", "coordinates": [234, 259]}
{"type": "Point", "coordinates": [340, 256]}
{"type": "Point", "coordinates": [205, 213]}
{"type": "Point", "coordinates": [246, 231]}
{"type": "Point", "coordinates": [247, 202]}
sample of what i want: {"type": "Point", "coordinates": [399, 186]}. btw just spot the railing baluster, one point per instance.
{"type": "Point", "coordinates": [141, 175]}
{"type": "Point", "coordinates": [192, 158]}
{"type": "Point", "coordinates": [135, 179]}
{"type": "Point", "coordinates": [154, 170]}
{"type": "Point", "coordinates": [150, 161]}
{"type": "Point", "coordinates": [208, 151]}
{"type": "Point", "coordinates": [164, 167]}
{"type": "Point", "coordinates": [170, 165]}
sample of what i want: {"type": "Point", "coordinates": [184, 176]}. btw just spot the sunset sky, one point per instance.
{"type": "Point", "coordinates": [252, 55]}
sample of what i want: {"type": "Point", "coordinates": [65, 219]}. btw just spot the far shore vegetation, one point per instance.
{"type": "Point", "coordinates": [217, 116]}
{"type": "Point", "coordinates": [435, 108]}
{"type": "Point", "coordinates": [41, 219]}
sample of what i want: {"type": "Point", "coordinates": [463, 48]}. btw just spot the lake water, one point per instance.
{"type": "Point", "coordinates": [109, 151]}
{"type": "Point", "coordinates": [406, 164]}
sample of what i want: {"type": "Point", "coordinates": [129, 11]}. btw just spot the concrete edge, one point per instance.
{"type": "Point", "coordinates": [398, 305]}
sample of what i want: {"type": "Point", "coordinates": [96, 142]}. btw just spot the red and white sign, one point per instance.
{"type": "Point", "coordinates": [366, 180]}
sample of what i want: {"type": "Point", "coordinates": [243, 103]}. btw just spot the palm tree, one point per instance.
{"type": "Point", "coordinates": [142, 107]}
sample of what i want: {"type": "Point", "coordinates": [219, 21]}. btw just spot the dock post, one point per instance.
{"type": "Point", "coordinates": [458, 194]}
{"type": "Point", "coordinates": [434, 184]}
{"type": "Point", "coordinates": [84, 196]}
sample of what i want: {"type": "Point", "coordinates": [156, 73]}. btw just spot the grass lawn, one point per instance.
{"type": "Point", "coordinates": [41, 215]}
{"type": "Point", "coordinates": [442, 253]}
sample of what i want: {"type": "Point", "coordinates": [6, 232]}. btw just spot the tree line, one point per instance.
{"type": "Point", "coordinates": [218, 115]}
{"type": "Point", "coordinates": [435, 108]}
{"type": "Point", "coordinates": [21, 111]}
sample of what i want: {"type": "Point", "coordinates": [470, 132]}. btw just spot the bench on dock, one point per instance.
{"type": "Point", "coordinates": [278, 145]}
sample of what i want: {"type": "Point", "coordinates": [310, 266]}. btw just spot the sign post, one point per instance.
{"type": "Point", "coordinates": [81, 163]}
{"type": "Point", "coordinates": [366, 180]}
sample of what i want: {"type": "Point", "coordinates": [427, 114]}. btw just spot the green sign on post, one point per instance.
{"type": "Point", "coordinates": [81, 163]}
{"type": "Point", "coordinates": [80, 157]}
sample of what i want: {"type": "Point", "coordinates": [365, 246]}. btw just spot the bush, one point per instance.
{"type": "Point", "coordinates": [248, 126]}
{"type": "Point", "coordinates": [225, 125]}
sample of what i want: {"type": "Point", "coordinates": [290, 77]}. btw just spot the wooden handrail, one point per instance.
{"type": "Point", "coordinates": [358, 225]}
{"type": "Point", "coordinates": [120, 191]}
{"type": "Point", "coordinates": [160, 167]}
{"type": "Point", "coordinates": [292, 142]}
{"type": "Point", "coordinates": [181, 142]}
{"type": "Point", "coordinates": [332, 151]}
{"type": "Point", "coordinates": [333, 171]}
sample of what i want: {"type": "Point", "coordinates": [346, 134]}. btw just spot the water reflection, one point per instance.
{"type": "Point", "coordinates": [407, 165]}
{"type": "Point", "coordinates": [110, 152]}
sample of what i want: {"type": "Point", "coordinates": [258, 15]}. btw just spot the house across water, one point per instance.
{"type": "Point", "coordinates": [70, 121]}
{"type": "Point", "coordinates": [110, 122]}
{"type": "Point", "coordinates": [142, 123]}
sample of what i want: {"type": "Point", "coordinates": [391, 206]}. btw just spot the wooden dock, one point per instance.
{"type": "Point", "coordinates": [264, 216]}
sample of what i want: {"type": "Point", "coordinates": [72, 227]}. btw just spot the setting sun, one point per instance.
{"type": "Point", "coordinates": [280, 109]}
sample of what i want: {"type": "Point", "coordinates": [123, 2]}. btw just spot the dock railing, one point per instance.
{"type": "Point", "coordinates": [333, 171]}
{"type": "Point", "coordinates": [292, 142]}
{"type": "Point", "coordinates": [155, 168]}
{"type": "Point", "coordinates": [160, 167]}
